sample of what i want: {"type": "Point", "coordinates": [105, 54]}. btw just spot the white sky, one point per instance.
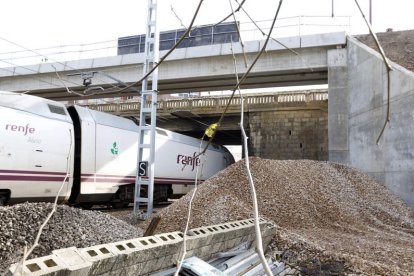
{"type": "Point", "coordinates": [44, 23]}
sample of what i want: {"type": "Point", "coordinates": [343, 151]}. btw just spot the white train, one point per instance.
{"type": "Point", "coordinates": [40, 140]}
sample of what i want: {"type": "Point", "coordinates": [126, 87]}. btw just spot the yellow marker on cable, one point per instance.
{"type": "Point", "coordinates": [210, 130]}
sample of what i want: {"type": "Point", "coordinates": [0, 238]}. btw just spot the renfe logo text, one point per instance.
{"type": "Point", "coordinates": [188, 160]}
{"type": "Point", "coordinates": [23, 129]}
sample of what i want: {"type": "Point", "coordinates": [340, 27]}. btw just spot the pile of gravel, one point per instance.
{"type": "Point", "coordinates": [68, 227]}
{"type": "Point", "coordinates": [326, 211]}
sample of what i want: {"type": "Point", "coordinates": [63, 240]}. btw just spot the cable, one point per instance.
{"type": "Point", "coordinates": [36, 242]}
{"type": "Point", "coordinates": [243, 78]}
{"type": "Point", "coordinates": [67, 89]}
{"type": "Point", "coordinates": [232, 13]}
{"type": "Point", "coordinates": [238, 32]}
{"type": "Point", "coordinates": [44, 56]}
{"type": "Point", "coordinates": [275, 40]}
{"type": "Point", "coordinates": [204, 124]}
{"type": "Point", "coordinates": [31, 70]}
{"type": "Point", "coordinates": [179, 19]}
{"type": "Point", "coordinates": [166, 55]}
{"type": "Point", "coordinates": [40, 80]}
{"type": "Point", "coordinates": [389, 69]}
{"type": "Point", "coordinates": [59, 46]}
{"type": "Point", "coordinates": [259, 243]}
{"type": "Point", "coordinates": [184, 247]}
{"type": "Point", "coordinates": [61, 53]}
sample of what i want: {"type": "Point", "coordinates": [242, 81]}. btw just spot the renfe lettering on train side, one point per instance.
{"type": "Point", "coordinates": [23, 129]}
{"type": "Point", "coordinates": [189, 160]}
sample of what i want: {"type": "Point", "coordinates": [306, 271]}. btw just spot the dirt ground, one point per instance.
{"type": "Point", "coordinates": [398, 46]}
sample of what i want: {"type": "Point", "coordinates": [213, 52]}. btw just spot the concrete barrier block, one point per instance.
{"type": "Point", "coordinates": [150, 265]}
{"type": "Point", "coordinates": [128, 270]}
{"type": "Point", "coordinates": [201, 233]}
{"type": "Point", "coordinates": [124, 250]}
{"type": "Point", "coordinates": [150, 248]}
{"type": "Point", "coordinates": [173, 241]}
{"type": "Point", "coordinates": [232, 230]}
{"type": "Point", "coordinates": [193, 242]}
{"type": "Point", "coordinates": [48, 265]}
{"type": "Point", "coordinates": [73, 260]}
{"type": "Point", "coordinates": [101, 257]}
{"type": "Point", "coordinates": [170, 260]}
{"type": "Point", "coordinates": [171, 237]}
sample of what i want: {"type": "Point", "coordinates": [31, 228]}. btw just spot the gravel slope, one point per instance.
{"type": "Point", "coordinates": [332, 211]}
{"type": "Point", "coordinates": [68, 227]}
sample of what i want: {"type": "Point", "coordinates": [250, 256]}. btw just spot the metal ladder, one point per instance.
{"type": "Point", "coordinates": [148, 108]}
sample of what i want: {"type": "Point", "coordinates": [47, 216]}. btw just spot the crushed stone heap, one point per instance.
{"type": "Point", "coordinates": [68, 227]}
{"type": "Point", "coordinates": [320, 207]}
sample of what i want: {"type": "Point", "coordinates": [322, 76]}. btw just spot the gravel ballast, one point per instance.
{"type": "Point", "coordinates": [325, 211]}
{"type": "Point", "coordinates": [68, 227]}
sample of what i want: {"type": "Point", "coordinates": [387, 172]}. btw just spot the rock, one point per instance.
{"type": "Point", "coordinates": [68, 227]}
{"type": "Point", "coordinates": [324, 210]}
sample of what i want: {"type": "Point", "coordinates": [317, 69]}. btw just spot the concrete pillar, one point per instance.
{"type": "Point", "coordinates": [338, 112]}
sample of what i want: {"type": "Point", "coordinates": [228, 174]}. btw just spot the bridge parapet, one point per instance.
{"type": "Point", "coordinates": [216, 104]}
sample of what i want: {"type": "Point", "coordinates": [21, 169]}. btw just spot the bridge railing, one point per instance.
{"type": "Point", "coordinates": [285, 27]}
{"type": "Point", "coordinates": [213, 104]}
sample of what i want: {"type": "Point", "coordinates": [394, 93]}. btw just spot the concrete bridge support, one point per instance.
{"type": "Point", "coordinates": [357, 112]}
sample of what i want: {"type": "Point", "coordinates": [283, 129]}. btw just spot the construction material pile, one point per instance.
{"type": "Point", "coordinates": [325, 211]}
{"type": "Point", "coordinates": [68, 227]}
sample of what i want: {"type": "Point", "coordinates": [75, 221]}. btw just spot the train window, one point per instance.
{"type": "Point", "coordinates": [57, 109]}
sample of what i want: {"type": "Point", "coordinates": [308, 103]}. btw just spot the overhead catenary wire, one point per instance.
{"type": "Point", "coordinates": [387, 66]}
{"type": "Point", "coordinates": [44, 56]}
{"type": "Point", "coordinates": [58, 46]}
{"type": "Point", "coordinates": [64, 84]}
{"type": "Point", "coordinates": [60, 53]}
{"type": "Point", "coordinates": [31, 70]}
{"type": "Point", "coordinates": [36, 79]}
{"type": "Point", "coordinates": [58, 78]}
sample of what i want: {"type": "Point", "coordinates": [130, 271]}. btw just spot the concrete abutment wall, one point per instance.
{"type": "Point", "coordinates": [357, 112]}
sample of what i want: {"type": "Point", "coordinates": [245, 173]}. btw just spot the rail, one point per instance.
{"type": "Point", "coordinates": [213, 104]}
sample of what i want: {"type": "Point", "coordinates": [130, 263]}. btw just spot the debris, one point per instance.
{"type": "Point", "coordinates": [327, 213]}
{"type": "Point", "coordinates": [67, 227]}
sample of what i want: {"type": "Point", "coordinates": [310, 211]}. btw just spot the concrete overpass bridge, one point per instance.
{"type": "Point", "coordinates": [293, 112]}
{"type": "Point", "coordinates": [357, 87]}
{"type": "Point", "coordinates": [203, 68]}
